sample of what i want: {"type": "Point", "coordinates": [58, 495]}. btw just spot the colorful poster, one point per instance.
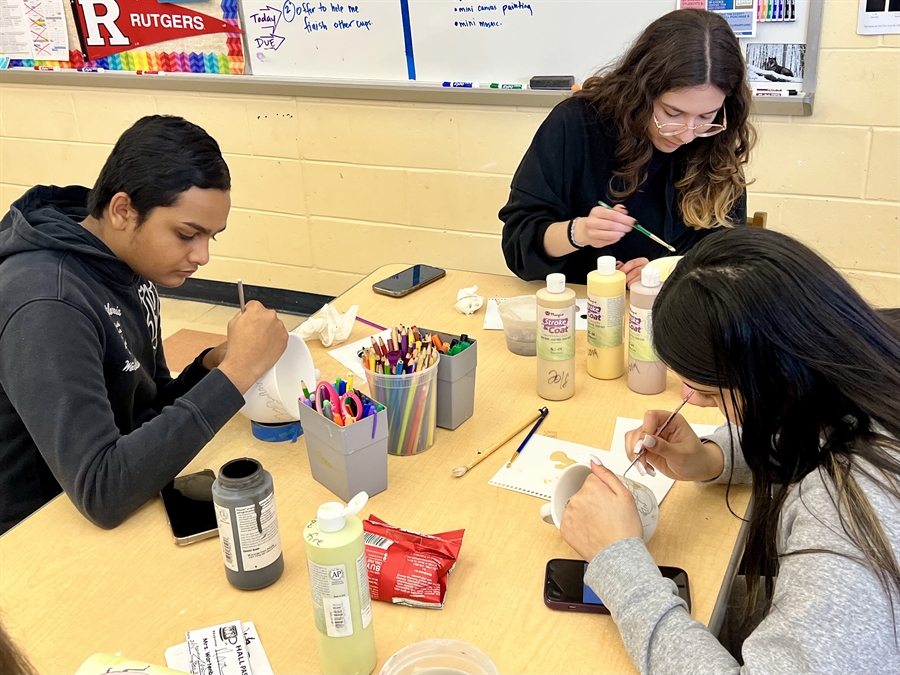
{"type": "Point", "coordinates": [878, 17]}
{"type": "Point", "coordinates": [741, 15]}
{"type": "Point", "coordinates": [195, 51]}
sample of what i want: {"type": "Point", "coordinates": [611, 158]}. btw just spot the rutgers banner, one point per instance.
{"type": "Point", "coordinates": [113, 26]}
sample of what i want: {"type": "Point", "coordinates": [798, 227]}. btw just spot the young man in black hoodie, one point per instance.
{"type": "Point", "coordinates": [87, 404]}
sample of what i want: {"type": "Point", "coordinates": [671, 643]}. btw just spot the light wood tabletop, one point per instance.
{"type": "Point", "coordinates": [69, 589]}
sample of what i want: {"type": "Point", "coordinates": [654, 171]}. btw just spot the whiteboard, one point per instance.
{"type": "Point", "coordinates": [432, 41]}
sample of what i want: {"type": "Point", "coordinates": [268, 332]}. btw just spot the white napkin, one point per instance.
{"type": "Point", "coordinates": [329, 325]}
{"type": "Point", "coordinates": [467, 301]}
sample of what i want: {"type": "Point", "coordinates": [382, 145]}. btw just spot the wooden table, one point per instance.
{"type": "Point", "coordinates": [69, 589]}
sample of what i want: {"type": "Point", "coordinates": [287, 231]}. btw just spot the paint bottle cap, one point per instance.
{"type": "Point", "coordinates": [332, 516]}
{"type": "Point", "coordinates": [606, 265]}
{"type": "Point", "coordinates": [556, 283]}
{"type": "Point", "coordinates": [650, 277]}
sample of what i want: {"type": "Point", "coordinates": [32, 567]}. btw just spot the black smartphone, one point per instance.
{"type": "Point", "coordinates": [409, 280]}
{"type": "Point", "coordinates": [564, 587]}
{"type": "Point", "coordinates": [189, 507]}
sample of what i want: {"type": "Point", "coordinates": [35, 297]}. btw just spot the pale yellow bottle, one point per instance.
{"type": "Point", "coordinates": [339, 581]}
{"type": "Point", "coordinates": [556, 340]}
{"type": "Point", "coordinates": [606, 320]}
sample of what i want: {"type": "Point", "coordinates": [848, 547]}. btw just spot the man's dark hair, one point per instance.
{"type": "Point", "coordinates": [156, 160]}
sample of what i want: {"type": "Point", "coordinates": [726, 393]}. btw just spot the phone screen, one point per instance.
{"type": "Point", "coordinates": [564, 583]}
{"type": "Point", "coordinates": [189, 505]}
{"type": "Point", "coordinates": [408, 279]}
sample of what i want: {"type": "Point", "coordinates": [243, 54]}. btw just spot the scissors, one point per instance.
{"type": "Point", "coordinates": [339, 402]}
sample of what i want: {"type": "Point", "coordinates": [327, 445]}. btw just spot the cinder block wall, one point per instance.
{"type": "Point", "coordinates": [327, 190]}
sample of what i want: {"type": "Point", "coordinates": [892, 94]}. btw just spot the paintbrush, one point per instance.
{"type": "Point", "coordinates": [241, 294]}
{"type": "Point", "coordinates": [661, 428]}
{"type": "Point", "coordinates": [640, 228]}
{"type": "Point", "coordinates": [536, 417]}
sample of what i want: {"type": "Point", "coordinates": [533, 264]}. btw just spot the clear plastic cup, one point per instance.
{"type": "Point", "coordinates": [411, 402]}
{"type": "Point", "coordinates": [439, 657]}
{"type": "Point", "coordinates": [519, 316]}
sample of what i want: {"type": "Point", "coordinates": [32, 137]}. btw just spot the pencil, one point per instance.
{"type": "Point", "coordinates": [640, 228]}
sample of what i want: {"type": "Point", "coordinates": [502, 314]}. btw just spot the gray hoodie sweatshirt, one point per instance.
{"type": "Point", "coordinates": [86, 401]}
{"type": "Point", "coordinates": [829, 614]}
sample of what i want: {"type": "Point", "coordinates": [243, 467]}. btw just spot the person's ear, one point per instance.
{"type": "Point", "coordinates": [121, 212]}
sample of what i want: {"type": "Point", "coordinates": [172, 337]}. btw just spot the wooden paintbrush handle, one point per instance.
{"type": "Point", "coordinates": [500, 444]}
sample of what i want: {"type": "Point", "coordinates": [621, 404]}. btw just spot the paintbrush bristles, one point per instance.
{"type": "Point", "coordinates": [460, 471]}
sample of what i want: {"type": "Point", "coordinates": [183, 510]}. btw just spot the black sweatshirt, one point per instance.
{"type": "Point", "coordinates": [565, 172]}
{"type": "Point", "coordinates": [87, 404]}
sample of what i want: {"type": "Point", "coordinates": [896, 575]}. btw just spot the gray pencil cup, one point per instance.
{"type": "Point", "coordinates": [456, 383]}
{"type": "Point", "coordinates": [350, 459]}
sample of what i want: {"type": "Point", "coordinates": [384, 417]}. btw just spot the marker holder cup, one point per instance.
{"type": "Point", "coordinates": [456, 383]}
{"type": "Point", "coordinates": [411, 401]}
{"type": "Point", "coordinates": [350, 459]}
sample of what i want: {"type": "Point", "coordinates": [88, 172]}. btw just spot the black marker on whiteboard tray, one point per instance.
{"type": "Point", "coordinates": [775, 92]}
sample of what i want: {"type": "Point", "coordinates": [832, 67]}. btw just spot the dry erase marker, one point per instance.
{"type": "Point", "coordinates": [46, 68]}
{"type": "Point", "coordinates": [499, 85]}
{"type": "Point", "coordinates": [149, 72]}
{"type": "Point", "coordinates": [775, 92]}
{"type": "Point", "coordinates": [91, 70]}
{"type": "Point", "coordinates": [464, 85]}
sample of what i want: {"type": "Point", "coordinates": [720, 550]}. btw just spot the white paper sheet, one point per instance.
{"type": "Point", "coordinates": [179, 658]}
{"type": "Point", "coordinates": [537, 469]}
{"type": "Point", "coordinates": [15, 38]}
{"type": "Point", "coordinates": [492, 320]}
{"type": "Point", "coordinates": [49, 36]}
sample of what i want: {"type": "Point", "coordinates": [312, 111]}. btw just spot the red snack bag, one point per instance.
{"type": "Point", "coordinates": [408, 568]}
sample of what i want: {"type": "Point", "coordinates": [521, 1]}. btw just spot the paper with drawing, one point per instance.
{"type": "Point", "coordinates": [537, 469]}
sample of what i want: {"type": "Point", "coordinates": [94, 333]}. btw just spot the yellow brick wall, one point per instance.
{"type": "Point", "coordinates": [327, 190]}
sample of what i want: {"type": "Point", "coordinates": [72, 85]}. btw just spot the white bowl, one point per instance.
{"type": "Point", "coordinates": [274, 397]}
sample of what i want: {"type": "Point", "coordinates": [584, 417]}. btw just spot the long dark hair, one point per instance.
{"type": "Point", "coordinates": [684, 48]}
{"type": "Point", "coordinates": [813, 372]}
{"type": "Point", "coordinates": [12, 661]}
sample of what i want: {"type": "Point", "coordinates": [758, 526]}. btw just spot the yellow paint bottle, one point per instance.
{"type": "Point", "coordinates": [606, 320]}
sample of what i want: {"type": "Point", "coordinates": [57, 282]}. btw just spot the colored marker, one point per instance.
{"type": "Point", "coordinates": [51, 68]}
{"type": "Point", "coordinates": [463, 85]}
{"type": "Point", "coordinates": [149, 72]}
{"type": "Point", "coordinates": [775, 92]}
{"type": "Point", "coordinates": [497, 85]}
{"type": "Point", "coordinates": [91, 70]}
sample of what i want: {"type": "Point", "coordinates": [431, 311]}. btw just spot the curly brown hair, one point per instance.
{"type": "Point", "coordinates": [684, 48]}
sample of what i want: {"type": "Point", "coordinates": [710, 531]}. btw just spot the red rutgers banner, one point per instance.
{"type": "Point", "coordinates": [113, 26]}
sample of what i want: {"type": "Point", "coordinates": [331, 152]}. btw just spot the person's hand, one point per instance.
{"type": "Point", "coordinates": [677, 452]}
{"type": "Point", "coordinates": [603, 226]}
{"type": "Point", "coordinates": [215, 356]}
{"type": "Point", "coordinates": [600, 513]}
{"type": "Point", "coordinates": [632, 269]}
{"type": "Point", "coordinates": [256, 340]}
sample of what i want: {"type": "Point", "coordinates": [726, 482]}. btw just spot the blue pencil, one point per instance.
{"type": "Point", "coordinates": [540, 420]}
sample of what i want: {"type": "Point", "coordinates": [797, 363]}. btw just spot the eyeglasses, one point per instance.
{"type": "Point", "coordinates": [701, 130]}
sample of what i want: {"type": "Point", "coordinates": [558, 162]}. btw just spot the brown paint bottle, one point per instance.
{"type": "Point", "coordinates": [556, 340]}
{"type": "Point", "coordinates": [646, 373]}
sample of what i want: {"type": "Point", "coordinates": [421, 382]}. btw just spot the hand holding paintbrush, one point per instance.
{"type": "Point", "coordinates": [646, 469]}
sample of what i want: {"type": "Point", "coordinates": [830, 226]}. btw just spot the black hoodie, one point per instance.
{"type": "Point", "coordinates": [87, 404]}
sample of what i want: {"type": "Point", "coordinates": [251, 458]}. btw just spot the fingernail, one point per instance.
{"type": "Point", "coordinates": [638, 447]}
{"type": "Point", "coordinates": [649, 441]}
{"type": "Point", "coordinates": [641, 469]}
{"type": "Point", "coordinates": [651, 471]}
{"type": "Point", "coordinates": [596, 460]}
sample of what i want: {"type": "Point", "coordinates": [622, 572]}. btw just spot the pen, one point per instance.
{"type": "Point", "coordinates": [540, 420]}
{"type": "Point", "coordinates": [241, 294]}
{"type": "Point", "coordinates": [661, 429]}
{"type": "Point", "coordinates": [640, 228]}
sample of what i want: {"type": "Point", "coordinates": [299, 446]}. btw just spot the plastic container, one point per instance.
{"type": "Point", "coordinates": [339, 582]}
{"type": "Point", "coordinates": [664, 265]}
{"type": "Point", "coordinates": [351, 459]}
{"type": "Point", "coordinates": [244, 498]}
{"type": "Point", "coordinates": [556, 340]}
{"type": "Point", "coordinates": [439, 656]}
{"type": "Point", "coordinates": [411, 402]}
{"type": "Point", "coordinates": [646, 373]}
{"type": "Point", "coordinates": [273, 398]}
{"type": "Point", "coordinates": [606, 320]}
{"type": "Point", "coordinates": [455, 382]}
{"type": "Point", "coordinates": [519, 316]}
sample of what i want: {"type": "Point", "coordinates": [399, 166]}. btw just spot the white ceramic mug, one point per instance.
{"type": "Point", "coordinates": [273, 398]}
{"type": "Point", "coordinates": [570, 482]}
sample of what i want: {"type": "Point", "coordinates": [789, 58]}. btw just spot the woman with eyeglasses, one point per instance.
{"type": "Point", "coordinates": [663, 135]}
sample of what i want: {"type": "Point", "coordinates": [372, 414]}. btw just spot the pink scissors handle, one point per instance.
{"type": "Point", "coordinates": [350, 396]}
{"type": "Point", "coordinates": [332, 394]}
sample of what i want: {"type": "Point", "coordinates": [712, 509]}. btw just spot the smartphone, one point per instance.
{"type": "Point", "coordinates": [189, 507]}
{"type": "Point", "coordinates": [564, 587]}
{"type": "Point", "coordinates": [409, 280]}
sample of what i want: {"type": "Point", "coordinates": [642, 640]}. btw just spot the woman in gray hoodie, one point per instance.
{"type": "Point", "coordinates": [810, 374]}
